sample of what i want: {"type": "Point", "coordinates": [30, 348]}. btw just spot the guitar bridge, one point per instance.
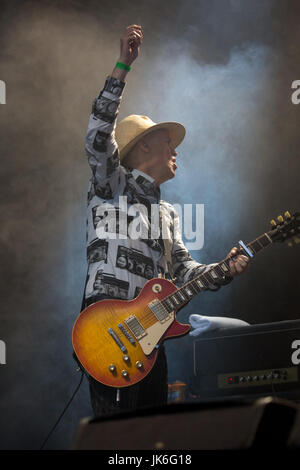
{"type": "Point", "coordinates": [126, 333]}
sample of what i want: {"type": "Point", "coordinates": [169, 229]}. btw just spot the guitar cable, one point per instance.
{"type": "Point", "coordinates": [64, 410]}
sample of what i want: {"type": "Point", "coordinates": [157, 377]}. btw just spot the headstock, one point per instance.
{"type": "Point", "coordinates": [285, 228]}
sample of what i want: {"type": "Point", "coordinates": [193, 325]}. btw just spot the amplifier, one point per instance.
{"type": "Point", "coordinates": [254, 360]}
{"type": "Point", "coordinates": [265, 424]}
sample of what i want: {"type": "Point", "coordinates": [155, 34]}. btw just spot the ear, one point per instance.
{"type": "Point", "coordinates": [144, 146]}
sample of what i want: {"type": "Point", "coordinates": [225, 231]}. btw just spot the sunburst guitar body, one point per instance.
{"type": "Point", "coordinates": [117, 341]}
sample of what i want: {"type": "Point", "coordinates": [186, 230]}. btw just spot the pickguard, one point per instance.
{"type": "Point", "coordinates": [154, 334]}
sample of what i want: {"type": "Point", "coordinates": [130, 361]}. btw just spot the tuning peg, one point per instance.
{"type": "Point", "coordinates": [287, 215]}
{"type": "Point", "coordinates": [273, 222]}
{"type": "Point", "coordinates": [280, 218]}
{"type": "Point", "coordinates": [296, 240]}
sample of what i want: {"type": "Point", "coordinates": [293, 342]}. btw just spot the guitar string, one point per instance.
{"type": "Point", "coordinates": [149, 318]}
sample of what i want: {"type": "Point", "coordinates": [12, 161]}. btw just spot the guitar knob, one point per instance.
{"type": "Point", "coordinates": [126, 358]}
{"type": "Point", "coordinates": [124, 373]}
{"type": "Point", "coordinates": [139, 364]}
{"type": "Point", "coordinates": [273, 222]}
{"type": "Point", "coordinates": [280, 218]}
{"type": "Point", "coordinates": [112, 368]}
{"type": "Point", "coordinates": [287, 215]}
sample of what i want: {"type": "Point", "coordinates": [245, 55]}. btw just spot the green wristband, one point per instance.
{"type": "Point", "coordinates": [122, 66]}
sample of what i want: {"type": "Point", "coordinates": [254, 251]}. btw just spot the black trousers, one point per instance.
{"type": "Point", "coordinates": [151, 391]}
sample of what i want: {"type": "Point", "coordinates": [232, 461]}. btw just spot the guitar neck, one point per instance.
{"type": "Point", "coordinates": [217, 272]}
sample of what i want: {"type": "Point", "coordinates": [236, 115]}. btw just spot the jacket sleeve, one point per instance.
{"type": "Point", "coordinates": [184, 266]}
{"type": "Point", "coordinates": [100, 144]}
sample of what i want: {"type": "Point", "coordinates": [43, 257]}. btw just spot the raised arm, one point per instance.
{"type": "Point", "coordinates": [100, 144]}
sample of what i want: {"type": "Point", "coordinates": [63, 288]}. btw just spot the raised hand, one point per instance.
{"type": "Point", "coordinates": [130, 44]}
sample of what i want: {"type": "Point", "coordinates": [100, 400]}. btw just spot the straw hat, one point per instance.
{"type": "Point", "coordinates": [134, 127]}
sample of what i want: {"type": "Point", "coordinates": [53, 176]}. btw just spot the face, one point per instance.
{"type": "Point", "coordinates": [162, 154]}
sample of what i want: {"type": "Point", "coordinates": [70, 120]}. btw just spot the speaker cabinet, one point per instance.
{"type": "Point", "coordinates": [208, 426]}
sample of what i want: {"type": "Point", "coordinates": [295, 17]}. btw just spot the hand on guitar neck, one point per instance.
{"type": "Point", "coordinates": [238, 263]}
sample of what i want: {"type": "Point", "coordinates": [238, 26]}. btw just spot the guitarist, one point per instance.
{"type": "Point", "coordinates": [132, 159]}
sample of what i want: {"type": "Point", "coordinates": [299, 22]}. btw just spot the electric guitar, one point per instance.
{"type": "Point", "coordinates": [117, 341]}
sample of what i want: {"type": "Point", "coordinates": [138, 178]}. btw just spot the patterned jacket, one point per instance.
{"type": "Point", "coordinates": [118, 264]}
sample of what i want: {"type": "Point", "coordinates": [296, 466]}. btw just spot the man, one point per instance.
{"type": "Point", "coordinates": [132, 167]}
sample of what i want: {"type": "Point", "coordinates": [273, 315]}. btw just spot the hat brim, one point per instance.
{"type": "Point", "coordinates": [176, 133]}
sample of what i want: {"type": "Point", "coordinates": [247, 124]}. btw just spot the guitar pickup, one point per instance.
{"type": "Point", "coordinates": [159, 311]}
{"type": "Point", "coordinates": [134, 325]}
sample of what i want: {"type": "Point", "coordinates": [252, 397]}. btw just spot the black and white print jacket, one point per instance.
{"type": "Point", "coordinates": [119, 266]}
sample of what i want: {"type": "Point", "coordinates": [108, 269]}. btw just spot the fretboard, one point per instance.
{"type": "Point", "coordinates": [204, 280]}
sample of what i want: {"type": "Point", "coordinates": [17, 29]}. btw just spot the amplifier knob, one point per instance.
{"type": "Point", "coordinates": [270, 376]}
{"type": "Point", "coordinates": [262, 377]}
{"type": "Point", "coordinates": [255, 378]}
{"type": "Point", "coordinates": [242, 379]}
{"type": "Point", "coordinates": [276, 376]}
{"type": "Point", "coordinates": [249, 378]}
{"type": "Point", "coordinates": [124, 373]}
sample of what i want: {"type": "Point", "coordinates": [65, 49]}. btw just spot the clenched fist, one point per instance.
{"type": "Point", "coordinates": [130, 44]}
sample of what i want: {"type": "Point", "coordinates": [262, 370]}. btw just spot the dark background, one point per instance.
{"type": "Point", "coordinates": [224, 69]}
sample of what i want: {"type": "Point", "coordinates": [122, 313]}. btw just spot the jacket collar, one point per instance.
{"type": "Point", "coordinates": [136, 173]}
{"type": "Point", "coordinates": [146, 183]}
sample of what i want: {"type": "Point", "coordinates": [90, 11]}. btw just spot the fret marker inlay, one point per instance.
{"type": "Point", "coordinates": [224, 267]}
